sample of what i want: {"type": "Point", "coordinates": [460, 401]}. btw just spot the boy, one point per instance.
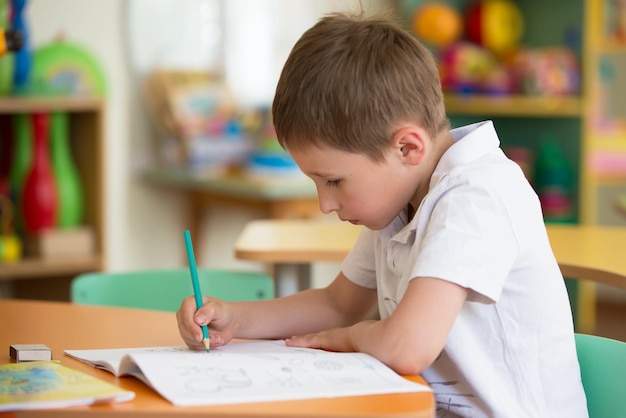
{"type": "Point", "coordinates": [454, 251]}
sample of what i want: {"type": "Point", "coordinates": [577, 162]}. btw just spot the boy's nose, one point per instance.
{"type": "Point", "coordinates": [327, 203]}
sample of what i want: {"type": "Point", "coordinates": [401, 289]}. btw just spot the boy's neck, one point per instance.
{"type": "Point", "coordinates": [439, 147]}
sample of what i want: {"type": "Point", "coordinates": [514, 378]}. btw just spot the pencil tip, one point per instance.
{"type": "Point", "coordinates": [206, 344]}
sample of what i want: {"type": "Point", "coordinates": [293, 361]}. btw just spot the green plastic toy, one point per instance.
{"type": "Point", "coordinates": [65, 68]}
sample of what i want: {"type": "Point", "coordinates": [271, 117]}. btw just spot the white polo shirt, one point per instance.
{"type": "Point", "coordinates": [511, 351]}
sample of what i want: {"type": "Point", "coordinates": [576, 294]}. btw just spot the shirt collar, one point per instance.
{"type": "Point", "coordinates": [478, 139]}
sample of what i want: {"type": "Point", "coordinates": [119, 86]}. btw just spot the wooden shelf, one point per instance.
{"type": "Point", "coordinates": [606, 179]}
{"type": "Point", "coordinates": [34, 267]}
{"type": "Point", "coordinates": [514, 106]}
{"type": "Point", "coordinates": [17, 104]}
{"type": "Point", "coordinates": [612, 47]}
{"type": "Point", "coordinates": [86, 141]}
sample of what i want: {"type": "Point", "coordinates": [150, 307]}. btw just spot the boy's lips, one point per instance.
{"type": "Point", "coordinates": [352, 221]}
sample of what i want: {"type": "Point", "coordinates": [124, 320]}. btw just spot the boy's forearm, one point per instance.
{"type": "Point", "coordinates": [305, 312]}
{"type": "Point", "coordinates": [379, 339]}
{"type": "Point", "coordinates": [340, 304]}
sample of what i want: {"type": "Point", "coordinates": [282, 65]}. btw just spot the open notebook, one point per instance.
{"type": "Point", "coordinates": [249, 372]}
{"type": "Point", "coordinates": [49, 384]}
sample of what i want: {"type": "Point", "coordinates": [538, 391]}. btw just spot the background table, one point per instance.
{"type": "Point", "coordinates": [275, 198]}
{"type": "Point", "coordinates": [291, 245]}
{"type": "Point", "coordinates": [62, 326]}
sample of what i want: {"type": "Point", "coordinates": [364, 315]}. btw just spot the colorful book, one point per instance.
{"type": "Point", "coordinates": [258, 371]}
{"type": "Point", "coordinates": [50, 384]}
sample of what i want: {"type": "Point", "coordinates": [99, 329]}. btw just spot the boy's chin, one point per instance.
{"type": "Point", "coordinates": [374, 226]}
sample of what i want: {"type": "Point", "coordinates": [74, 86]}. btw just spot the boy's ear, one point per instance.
{"type": "Point", "coordinates": [412, 142]}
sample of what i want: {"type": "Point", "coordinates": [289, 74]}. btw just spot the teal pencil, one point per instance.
{"type": "Point", "coordinates": [196, 284]}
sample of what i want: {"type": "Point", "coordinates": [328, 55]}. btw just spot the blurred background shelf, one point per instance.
{"type": "Point", "coordinates": [514, 105]}
{"type": "Point", "coordinates": [16, 104]}
{"type": "Point", "coordinates": [29, 268]}
{"type": "Point", "coordinates": [49, 279]}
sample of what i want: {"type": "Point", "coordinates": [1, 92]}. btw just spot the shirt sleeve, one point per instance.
{"type": "Point", "coordinates": [469, 241]}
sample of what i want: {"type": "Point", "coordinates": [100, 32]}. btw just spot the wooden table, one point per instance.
{"type": "Point", "coordinates": [62, 326]}
{"type": "Point", "coordinates": [291, 245]}
{"type": "Point", "coordinates": [579, 249]}
{"type": "Point", "coordinates": [275, 198]}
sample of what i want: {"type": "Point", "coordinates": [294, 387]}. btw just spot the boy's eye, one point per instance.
{"type": "Point", "coordinates": [333, 182]}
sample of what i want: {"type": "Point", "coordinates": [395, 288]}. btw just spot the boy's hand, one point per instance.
{"type": "Point", "coordinates": [336, 339]}
{"type": "Point", "coordinates": [218, 315]}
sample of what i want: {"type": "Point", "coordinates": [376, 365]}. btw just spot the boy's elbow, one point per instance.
{"type": "Point", "coordinates": [406, 353]}
{"type": "Point", "coordinates": [410, 360]}
{"type": "Point", "coordinates": [409, 366]}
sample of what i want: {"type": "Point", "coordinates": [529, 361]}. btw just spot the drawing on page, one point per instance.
{"type": "Point", "coordinates": [330, 365]}
{"type": "Point", "coordinates": [294, 365]}
{"type": "Point", "coordinates": [297, 371]}
{"type": "Point", "coordinates": [215, 379]}
{"type": "Point", "coordinates": [288, 381]}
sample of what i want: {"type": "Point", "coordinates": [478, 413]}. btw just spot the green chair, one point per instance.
{"type": "Point", "coordinates": [165, 289]}
{"type": "Point", "coordinates": [603, 371]}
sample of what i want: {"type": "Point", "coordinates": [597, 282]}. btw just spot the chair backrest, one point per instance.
{"type": "Point", "coordinates": [165, 289]}
{"type": "Point", "coordinates": [603, 371]}
{"type": "Point", "coordinates": [593, 274]}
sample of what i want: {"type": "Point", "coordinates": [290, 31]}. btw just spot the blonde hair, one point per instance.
{"type": "Point", "coordinates": [349, 79]}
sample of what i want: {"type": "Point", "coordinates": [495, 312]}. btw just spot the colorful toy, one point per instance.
{"type": "Point", "coordinates": [67, 180]}
{"type": "Point", "coordinates": [495, 24]}
{"type": "Point", "coordinates": [10, 244]}
{"type": "Point", "coordinates": [549, 71]}
{"type": "Point", "coordinates": [39, 196]}
{"type": "Point", "coordinates": [62, 67]}
{"type": "Point", "coordinates": [464, 66]}
{"type": "Point", "coordinates": [6, 145]}
{"type": "Point", "coordinates": [268, 158]}
{"type": "Point", "coordinates": [523, 156]}
{"type": "Point", "coordinates": [23, 57]}
{"type": "Point", "coordinates": [437, 23]}
{"type": "Point", "coordinates": [11, 40]}
{"type": "Point", "coordinates": [553, 182]}
{"type": "Point", "coordinates": [498, 80]}
{"type": "Point", "coordinates": [20, 163]}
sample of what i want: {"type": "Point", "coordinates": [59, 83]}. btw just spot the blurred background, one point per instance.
{"type": "Point", "coordinates": [244, 41]}
{"type": "Point", "coordinates": [148, 103]}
